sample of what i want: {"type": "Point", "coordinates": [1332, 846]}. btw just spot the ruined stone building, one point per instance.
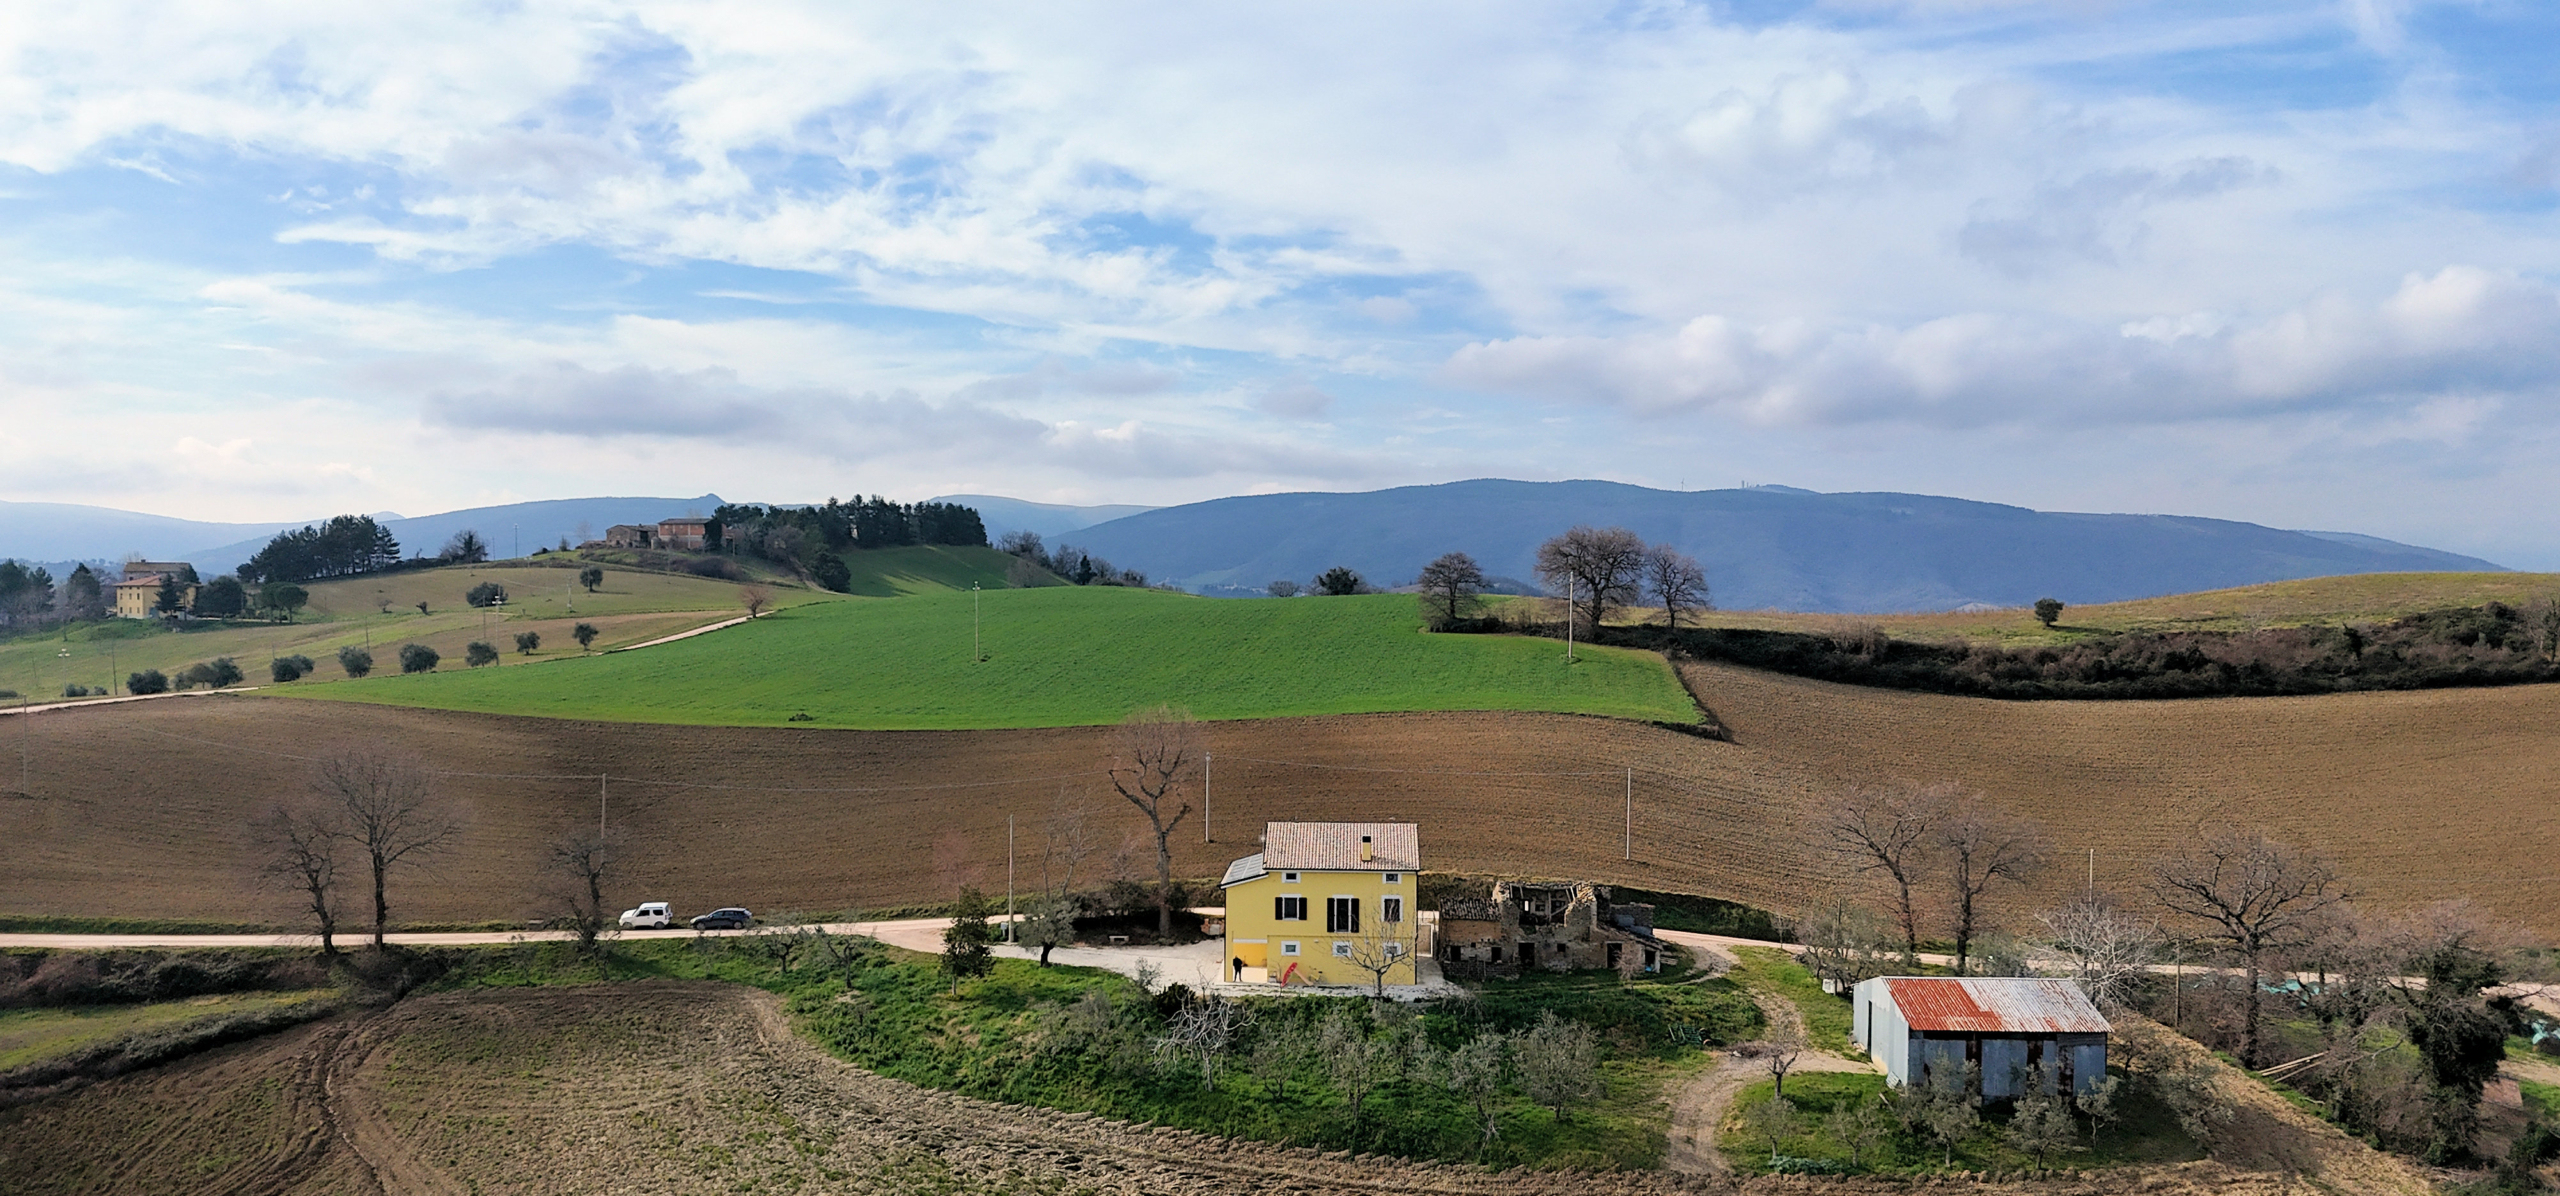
{"type": "Point", "coordinates": [1557, 926]}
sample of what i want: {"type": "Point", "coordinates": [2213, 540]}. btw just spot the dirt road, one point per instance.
{"type": "Point", "coordinates": [1698, 1110]}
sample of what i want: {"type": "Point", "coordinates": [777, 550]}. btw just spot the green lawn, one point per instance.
{"type": "Point", "coordinates": [32, 1035]}
{"type": "Point", "coordinates": [2144, 1133]}
{"type": "Point", "coordinates": [1768, 971]}
{"type": "Point", "coordinates": [1057, 656]}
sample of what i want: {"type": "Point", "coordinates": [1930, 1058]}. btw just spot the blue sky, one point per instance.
{"type": "Point", "coordinates": [2290, 263]}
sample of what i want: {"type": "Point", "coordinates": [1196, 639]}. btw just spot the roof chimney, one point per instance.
{"type": "Point", "coordinates": [1366, 852]}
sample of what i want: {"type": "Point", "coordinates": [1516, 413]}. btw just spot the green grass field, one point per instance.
{"type": "Point", "coordinates": [33, 1035]}
{"type": "Point", "coordinates": [380, 612]}
{"type": "Point", "coordinates": [1057, 656]}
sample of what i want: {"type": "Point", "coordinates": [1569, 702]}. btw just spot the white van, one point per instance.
{"type": "Point", "coordinates": [648, 915]}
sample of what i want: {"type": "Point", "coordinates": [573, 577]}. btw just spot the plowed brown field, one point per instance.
{"type": "Point", "coordinates": [652, 1088]}
{"type": "Point", "coordinates": [138, 809]}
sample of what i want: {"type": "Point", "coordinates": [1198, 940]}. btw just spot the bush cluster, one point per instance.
{"type": "Point", "coordinates": [289, 668]}
{"type": "Point", "coordinates": [2494, 644]}
{"type": "Point", "coordinates": [39, 979]}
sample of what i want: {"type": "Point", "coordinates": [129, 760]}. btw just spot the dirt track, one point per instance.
{"type": "Point", "coordinates": [138, 808]}
{"type": "Point", "coordinates": [666, 1087]}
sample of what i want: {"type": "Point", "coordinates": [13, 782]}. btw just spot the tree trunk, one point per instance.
{"type": "Point", "coordinates": [381, 905]}
{"type": "Point", "coordinates": [1164, 883]}
{"type": "Point", "coordinates": [1045, 949]}
{"type": "Point", "coordinates": [2249, 1016]}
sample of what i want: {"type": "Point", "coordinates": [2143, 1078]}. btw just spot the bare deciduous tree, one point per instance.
{"type": "Point", "coordinates": [1378, 955]}
{"type": "Point", "coordinates": [1891, 832]}
{"type": "Point", "coordinates": [2252, 895]}
{"type": "Point", "coordinates": [2104, 949]}
{"type": "Point", "coordinates": [1201, 1032]}
{"type": "Point", "coordinates": [1064, 842]}
{"type": "Point", "coordinates": [1597, 567]}
{"type": "Point", "coordinates": [1844, 943]}
{"type": "Point", "coordinates": [1450, 586]}
{"type": "Point", "coordinates": [755, 599]}
{"type": "Point", "coordinates": [297, 847]}
{"type": "Point", "coordinates": [582, 863]}
{"type": "Point", "coordinates": [387, 812]}
{"type": "Point", "coordinates": [1158, 752]}
{"type": "Point", "coordinates": [1979, 847]}
{"type": "Point", "coordinates": [1675, 581]}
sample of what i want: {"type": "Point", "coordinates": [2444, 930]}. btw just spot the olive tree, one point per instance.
{"type": "Point", "coordinates": [591, 577]}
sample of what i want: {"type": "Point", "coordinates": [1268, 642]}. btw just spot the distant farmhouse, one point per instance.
{"type": "Point", "coordinates": [1326, 903]}
{"type": "Point", "coordinates": [1922, 1027]}
{"type": "Point", "coordinates": [1557, 927]}
{"type": "Point", "coordinates": [673, 535]}
{"type": "Point", "coordinates": [138, 594]}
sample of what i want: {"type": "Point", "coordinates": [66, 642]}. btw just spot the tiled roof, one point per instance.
{"type": "Point", "coordinates": [1242, 871]}
{"type": "Point", "coordinates": [147, 579]}
{"type": "Point", "coordinates": [1335, 846]}
{"type": "Point", "coordinates": [1994, 1005]}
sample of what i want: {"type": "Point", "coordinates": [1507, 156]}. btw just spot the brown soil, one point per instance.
{"type": "Point", "coordinates": [138, 808]}
{"type": "Point", "coordinates": [698, 1087]}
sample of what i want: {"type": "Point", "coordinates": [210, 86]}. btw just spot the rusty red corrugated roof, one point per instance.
{"type": "Point", "coordinates": [1989, 1005]}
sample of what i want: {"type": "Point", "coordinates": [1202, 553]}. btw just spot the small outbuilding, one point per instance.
{"type": "Point", "coordinates": [1920, 1026]}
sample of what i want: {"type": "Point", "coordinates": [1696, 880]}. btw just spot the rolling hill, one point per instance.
{"type": "Point", "coordinates": [1055, 656]}
{"type": "Point", "coordinates": [1766, 547]}
{"type": "Point", "coordinates": [138, 810]}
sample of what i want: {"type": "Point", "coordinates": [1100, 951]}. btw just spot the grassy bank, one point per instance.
{"type": "Point", "coordinates": [1080, 1039]}
{"type": "Point", "coordinates": [1058, 656]}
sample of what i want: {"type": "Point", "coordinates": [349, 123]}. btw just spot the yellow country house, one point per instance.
{"type": "Point", "coordinates": [1326, 903]}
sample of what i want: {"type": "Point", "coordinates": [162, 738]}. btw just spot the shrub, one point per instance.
{"type": "Point", "coordinates": [418, 658]}
{"type": "Point", "coordinates": [148, 681]}
{"type": "Point", "coordinates": [356, 661]}
{"type": "Point", "coordinates": [527, 641]}
{"type": "Point", "coordinates": [219, 673]}
{"type": "Point", "coordinates": [585, 634]}
{"type": "Point", "coordinates": [479, 653]}
{"type": "Point", "coordinates": [487, 593]}
{"type": "Point", "coordinates": [77, 690]}
{"type": "Point", "coordinates": [831, 571]}
{"type": "Point", "coordinates": [289, 668]}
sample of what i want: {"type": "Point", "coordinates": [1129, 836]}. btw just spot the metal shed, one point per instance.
{"type": "Point", "coordinates": [1917, 1025]}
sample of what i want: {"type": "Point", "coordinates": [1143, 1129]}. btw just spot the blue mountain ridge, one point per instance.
{"type": "Point", "coordinates": [1768, 547]}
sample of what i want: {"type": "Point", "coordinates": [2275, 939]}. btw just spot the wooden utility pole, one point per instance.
{"type": "Point", "coordinates": [1206, 760]}
{"type": "Point", "coordinates": [1631, 813]}
{"type": "Point", "coordinates": [1008, 875]}
{"type": "Point", "coordinates": [600, 792]}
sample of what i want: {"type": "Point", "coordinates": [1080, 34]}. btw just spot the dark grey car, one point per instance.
{"type": "Point", "coordinates": [731, 918]}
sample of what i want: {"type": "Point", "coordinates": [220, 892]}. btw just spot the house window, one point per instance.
{"type": "Point", "coordinates": [1289, 909]}
{"type": "Point", "coordinates": [1288, 948]}
{"type": "Point", "coordinates": [1395, 950]}
{"type": "Point", "coordinates": [1341, 949]}
{"type": "Point", "coordinates": [1395, 878]}
{"type": "Point", "coordinates": [1391, 909]}
{"type": "Point", "coordinates": [1342, 915]}
{"type": "Point", "coordinates": [1288, 878]}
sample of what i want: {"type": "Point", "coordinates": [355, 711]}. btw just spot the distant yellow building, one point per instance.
{"type": "Point", "coordinates": [1325, 903]}
{"type": "Point", "coordinates": [138, 596]}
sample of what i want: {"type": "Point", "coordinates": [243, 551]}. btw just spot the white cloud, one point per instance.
{"type": "Point", "coordinates": [2460, 333]}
